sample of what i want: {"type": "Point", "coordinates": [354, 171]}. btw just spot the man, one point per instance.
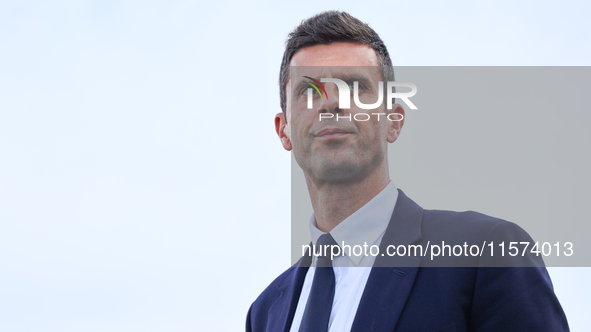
{"type": "Point", "coordinates": [346, 169]}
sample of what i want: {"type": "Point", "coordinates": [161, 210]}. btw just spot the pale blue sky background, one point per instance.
{"type": "Point", "coordinates": [137, 135]}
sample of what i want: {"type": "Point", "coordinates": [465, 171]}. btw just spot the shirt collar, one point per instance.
{"type": "Point", "coordinates": [364, 225]}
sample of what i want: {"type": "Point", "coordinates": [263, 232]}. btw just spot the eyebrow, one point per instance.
{"type": "Point", "coordinates": [349, 78]}
{"type": "Point", "coordinates": [301, 85]}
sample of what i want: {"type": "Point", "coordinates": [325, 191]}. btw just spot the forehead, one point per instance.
{"type": "Point", "coordinates": [335, 54]}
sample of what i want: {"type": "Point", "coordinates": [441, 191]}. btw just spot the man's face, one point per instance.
{"type": "Point", "coordinates": [331, 150]}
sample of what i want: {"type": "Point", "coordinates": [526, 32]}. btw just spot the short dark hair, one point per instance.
{"type": "Point", "coordinates": [326, 28]}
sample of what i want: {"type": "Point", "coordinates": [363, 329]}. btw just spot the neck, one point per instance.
{"type": "Point", "coordinates": [333, 202]}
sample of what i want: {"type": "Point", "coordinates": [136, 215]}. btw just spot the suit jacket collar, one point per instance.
{"type": "Point", "coordinates": [387, 288]}
{"type": "Point", "coordinates": [404, 229]}
{"type": "Point", "coordinates": [283, 309]}
{"type": "Point", "coordinates": [392, 277]}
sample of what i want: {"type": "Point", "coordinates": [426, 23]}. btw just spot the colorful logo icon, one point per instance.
{"type": "Point", "coordinates": [315, 86]}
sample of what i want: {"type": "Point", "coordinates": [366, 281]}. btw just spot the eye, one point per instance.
{"type": "Point", "coordinates": [351, 86]}
{"type": "Point", "coordinates": [304, 91]}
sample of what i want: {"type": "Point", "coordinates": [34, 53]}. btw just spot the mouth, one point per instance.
{"type": "Point", "coordinates": [332, 133]}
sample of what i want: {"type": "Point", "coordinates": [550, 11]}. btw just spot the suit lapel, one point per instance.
{"type": "Point", "coordinates": [283, 309]}
{"type": "Point", "coordinates": [392, 277]}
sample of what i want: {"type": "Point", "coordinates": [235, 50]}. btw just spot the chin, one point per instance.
{"type": "Point", "coordinates": [334, 170]}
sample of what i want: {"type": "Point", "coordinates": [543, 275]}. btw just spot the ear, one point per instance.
{"type": "Point", "coordinates": [283, 131]}
{"type": "Point", "coordinates": [394, 127]}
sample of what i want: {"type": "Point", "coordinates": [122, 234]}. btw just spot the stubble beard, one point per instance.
{"type": "Point", "coordinates": [338, 166]}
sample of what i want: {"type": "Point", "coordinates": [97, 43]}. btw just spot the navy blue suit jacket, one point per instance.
{"type": "Point", "coordinates": [405, 294]}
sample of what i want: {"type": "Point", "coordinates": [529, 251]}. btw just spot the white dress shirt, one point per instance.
{"type": "Point", "coordinates": [365, 226]}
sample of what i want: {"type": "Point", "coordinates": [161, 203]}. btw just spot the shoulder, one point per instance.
{"type": "Point", "coordinates": [451, 222]}
{"type": "Point", "coordinates": [275, 288]}
{"type": "Point", "coordinates": [273, 296]}
{"type": "Point", "coordinates": [442, 224]}
{"type": "Point", "coordinates": [485, 240]}
{"type": "Point", "coordinates": [470, 225]}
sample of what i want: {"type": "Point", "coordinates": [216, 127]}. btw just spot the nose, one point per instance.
{"type": "Point", "coordinates": [330, 104]}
